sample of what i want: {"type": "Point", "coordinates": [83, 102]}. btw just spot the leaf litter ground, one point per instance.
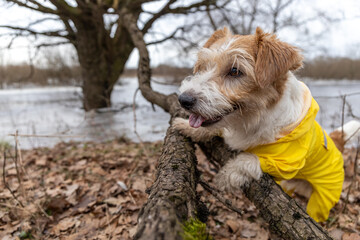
{"type": "Point", "coordinates": [95, 191]}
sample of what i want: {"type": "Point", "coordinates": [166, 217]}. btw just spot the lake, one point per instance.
{"type": "Point", "coordinates": [57, 112]}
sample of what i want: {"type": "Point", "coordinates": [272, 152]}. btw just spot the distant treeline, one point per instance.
{"type": "Point", "coordinates": [22, 75]}
{"type": "Point", "coordinates": [173, 74]}
{"type": "Point", "coordinates": [331, 68]}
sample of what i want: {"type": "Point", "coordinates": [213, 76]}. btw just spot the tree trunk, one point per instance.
{"type": "Point", "coordinates": [101, 62]}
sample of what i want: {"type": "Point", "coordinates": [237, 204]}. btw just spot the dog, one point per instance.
{"type": "Point", "coordinates": [243, 89]}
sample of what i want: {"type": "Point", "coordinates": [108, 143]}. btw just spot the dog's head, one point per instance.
{"type": "Point", "coordinates": [237, 73]}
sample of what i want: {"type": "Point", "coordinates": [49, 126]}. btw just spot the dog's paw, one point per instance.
{"type": "Point", "coordinates": [238, 172]}
{"type": "Point", "coordinates": [230, 180]}
{"type": "Point", "coordinates": [181, 124]}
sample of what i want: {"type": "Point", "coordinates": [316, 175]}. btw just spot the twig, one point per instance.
{"type": "Point", "coordinates": [32, 69]}
{"type": "Point", "coordinates": [349, 94]}
{"type": "Point", "coordinates": [19, 156]}
{"type": "Point", "coordinates": [350, 112]}
{"type": "Point", "coordinates": [218, 195]}
{"type": "Point", "coordinates": [16, 164]}
{"type": "Point", "coordinates": [18, 172]}
{"type": "Point", "coordinates": [354, 176]}
{"type": "Point", "coordinates": [343, 97]}
{"type": "Point", "coordinates": [357, 130]}
{"type": "Point", "coordinates": [134, 113]}
{"type": "Point", "coordinates": [135, 131]}
{"type": "Point", "coordinates": [131, 197]}
{"type": "Point", "coordinates": [344, 102]}
{"type": "Point", "coordinates": [108, 220]}
{"type": "Point", "coordinates": [46, 136]}
{"type": "Point", "coordinates": [5, 183]}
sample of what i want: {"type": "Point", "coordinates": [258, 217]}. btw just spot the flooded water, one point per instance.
{"type": "Point", "coordinates": [57, 112]}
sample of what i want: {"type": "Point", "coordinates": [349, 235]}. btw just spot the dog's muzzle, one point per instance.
{"type": "Point", "coordinates": [187, 100]}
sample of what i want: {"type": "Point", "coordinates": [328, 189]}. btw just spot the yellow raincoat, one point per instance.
{"type": "Point", "coordinates": [308, 153]}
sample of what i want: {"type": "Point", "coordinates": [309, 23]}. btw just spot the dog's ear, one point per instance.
{"type": "Point", "coordinates": [274, 58]}
{"type": "Point", "coordinates": [218, 34]}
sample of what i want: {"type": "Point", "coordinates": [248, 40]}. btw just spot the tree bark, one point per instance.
{"type": "Point", "coordinates": [285, 217]}
{"type": "Point", "coordinates": [172, 197]}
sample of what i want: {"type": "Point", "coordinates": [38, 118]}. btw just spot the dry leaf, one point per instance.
{"type": "Point", "coordinates": [41, 161]}
{"type": "Point", "coordinates": [233, 224]}
{"type": "Point", "coordinates": [139, 184]}
{"type": "Point", "coordinates": [64, 225]}
{"type": "Point", "coordinates": [58, 204]}
{"type": "Point", "coordinates": [132, 231]}
{"type": "Point", "coordinates": [11, 172]}
{"type": "Point", "coordinates": [99, 171]}
{"type": "Point", "coordinates": [336, 233]}
{"type": "Point", "coordinates": [71, 189]}
{"type": "Point", "coordinates": [113, 201]}
{"type": "Point", "coordinates": [351, 236]}
{"type": "Point", "coordinates": [248, 233]}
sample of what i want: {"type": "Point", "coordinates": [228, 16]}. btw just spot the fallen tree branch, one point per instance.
{"type": "Point", "coordinates": [172, 198]}
{"type": "Point", "coordinates": [285, 216]}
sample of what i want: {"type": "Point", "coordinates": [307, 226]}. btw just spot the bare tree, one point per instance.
{"type": "Point", "coordinates": [98, 33]}
{"type": "Point", "coordinates": [243, 16]}
{"type": "Point", "coordinates": [294, 18]}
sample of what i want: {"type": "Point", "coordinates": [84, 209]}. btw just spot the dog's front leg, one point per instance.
{"type": "Point", "coordinates": [238, 171]}
{"type": "Point", "coordinates": [200, 134]}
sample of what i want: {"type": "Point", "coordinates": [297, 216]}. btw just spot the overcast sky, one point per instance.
{"type": "Point", "coordinates": [342, 38]}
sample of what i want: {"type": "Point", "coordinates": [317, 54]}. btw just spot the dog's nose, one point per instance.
{"type": "Point", "coordinates": [187, 101]}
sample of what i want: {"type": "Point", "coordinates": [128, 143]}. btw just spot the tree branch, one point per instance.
{"type": "Point", "coordinates": [212, 22]}
{"type": "Point", "coordinates": [42, 45]}
{"type": "Point", "coordinates": [171, 36]}
{"type": "Point", "coordinates": [162, 12]}
{"type": "Point", "coordinates": [40, 8]}
{"type": "Point", "coordinates": [68, 10]}
{"type": "Point", "coordinates": [144, 72]}
{"type": "Point", "coordinates": [178, 10]}
{"type": "Point", "coordinates": [41, 21]}
{"type": "Point", "coordinates": [285, 217]}
{"type": "Point", "coordinates": [33, 32]}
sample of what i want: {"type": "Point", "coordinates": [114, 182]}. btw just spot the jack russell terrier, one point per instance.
{"type": "Point", "coordinates": [243, 90]}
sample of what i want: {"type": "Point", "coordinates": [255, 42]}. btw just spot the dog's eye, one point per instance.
{"type": "Point", "coordinates": [234, 72]}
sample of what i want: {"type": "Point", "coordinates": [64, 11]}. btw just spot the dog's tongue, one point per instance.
{"type": "Point", "coordinates": [195, 121]}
